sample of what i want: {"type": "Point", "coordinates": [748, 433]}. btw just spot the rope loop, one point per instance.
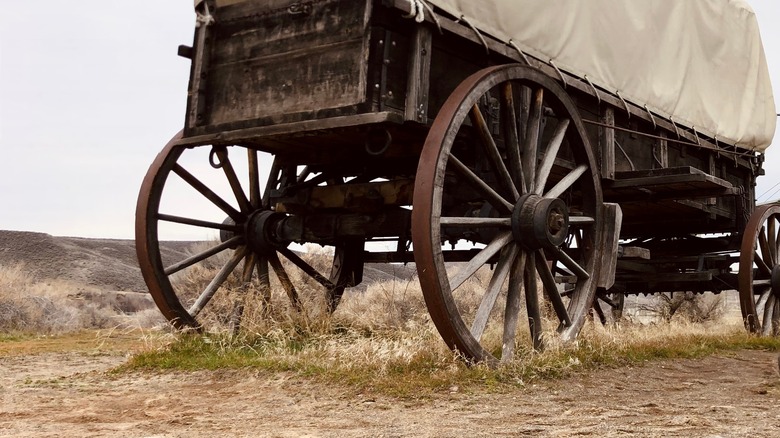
{"type": "Point", "coordinates": [517, 48]}
{"type": "Point", "coordinates": [595, 91]}
{"type": "Point", "coordinates": [476, 31]}
{"type": "Point", "coordinates": [417, 10]}
{"type": "Point", "coordinates": [560, 73]}
{"type": "Point", "coordinates": [204, 18]}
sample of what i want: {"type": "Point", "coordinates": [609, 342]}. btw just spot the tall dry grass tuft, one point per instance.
{"type": "Point", "coordinates": [54, 307]}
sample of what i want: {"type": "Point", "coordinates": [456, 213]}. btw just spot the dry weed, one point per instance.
{"type": "Point", "coordinates": [53, 307]}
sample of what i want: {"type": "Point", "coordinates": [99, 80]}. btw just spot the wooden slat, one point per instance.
{"type": "Point", "coordinates": [607, 144]}
{"type": "Point", "coordinates": [418, 83]}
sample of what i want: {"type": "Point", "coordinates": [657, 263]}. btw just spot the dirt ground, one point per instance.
{"type": "Point", "coordinates": [68, 394]}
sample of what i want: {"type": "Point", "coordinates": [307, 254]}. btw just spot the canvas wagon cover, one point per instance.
{"type": "Point", "coordinates": [700, 62]}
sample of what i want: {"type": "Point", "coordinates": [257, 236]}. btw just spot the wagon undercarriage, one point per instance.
{"type": "Point", "coordinates": [348, 125]}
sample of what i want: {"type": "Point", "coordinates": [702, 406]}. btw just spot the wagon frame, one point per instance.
{"type": "Point", "coordinates": [419, 132]}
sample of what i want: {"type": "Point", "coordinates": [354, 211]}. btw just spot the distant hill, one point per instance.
{"type": "Point", "coordinates": [110, 264]}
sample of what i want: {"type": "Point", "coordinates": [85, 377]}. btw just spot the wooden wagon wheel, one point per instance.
{"type": "Point", "coordinates": [218, 188]}
{"type": "Point", "coordinates": [759, 271]}
{"type": "Point", "coordinates": [513, 185]}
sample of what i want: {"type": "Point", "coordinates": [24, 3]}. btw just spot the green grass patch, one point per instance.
{"type": "Point", "coordinates": [414, 365]}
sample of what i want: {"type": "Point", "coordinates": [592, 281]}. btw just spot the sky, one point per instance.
{"type": "Point", "coordinates": [90, 92]}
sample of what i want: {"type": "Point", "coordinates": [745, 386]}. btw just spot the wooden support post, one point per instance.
{"type": "Point", "coordinates": [662, 152]}
{"type": "Point", "coordinates": [607, 144]}
{"type": "Point", "coordinates": [419, 76]}
{"type": "Point", "coordinates": [612, 216]}
{"type": "Point", "coordinates": [712, 168]}
{"type": "Point", "coordinates": [197, 93]}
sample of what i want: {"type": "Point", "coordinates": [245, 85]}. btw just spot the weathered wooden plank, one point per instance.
{"type": "Point", "coordinates": [418, 83]}
{"type": "Point", "coordinates": [633, 252]}
{"type": "Point", "coordinates": [268, 61]}
{"type": "Point", "coordinates": [308, 80]}
{"type": "Point", "coordinates": [612, 216]}
{"type": "Point", "coordinates": [290, 128]}
{"type": "Point", "coordinates": [607, 144]}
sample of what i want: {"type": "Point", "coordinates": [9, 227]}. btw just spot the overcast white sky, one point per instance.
{"type": "Point", "coordinates": [90, 91]}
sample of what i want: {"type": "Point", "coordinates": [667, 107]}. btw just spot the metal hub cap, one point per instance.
{"type": "Point", "coordinates": [540, 222]}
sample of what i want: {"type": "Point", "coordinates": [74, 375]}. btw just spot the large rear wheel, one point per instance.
{"type": "Point", "coordinates": [507, 179]}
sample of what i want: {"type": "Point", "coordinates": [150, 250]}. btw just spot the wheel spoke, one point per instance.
{"type": "Point", "coordinates": [761, 265]}
{"type": "Point", "coordinates": [775, 322]}
{"type": "Point", "coordinates": [491, 150]}
{"type": "Point", "coordinates": [307, 268]}
{"type": "Point", "coordinates": [203, 255]}
{"type": "Point", "coordinates": [511, 135]}
{"type": "Point", "coordinates": [766, 323]}
{"type": "Point", "coordinates": [764, 246]}
{"type": "Point", "coordinates": [254, 179]}
{"type": "Point", "coordinates": [235, 184]}
{"type": "Point", "coordinates": [284, 279]}
{"type": "Point", "coordinates": [570, 264]}
{"type": "Point", "coordinates": [505, 262]}
{"type": "Point", "coordinates": [549, 156]}
{"type": "Point", "coordinates": [471, 222]}
{"type": "Point", "coordinates": [198, 223]}
{"type": "Point", "coordinates": [246, 280]}
{"type": "Point", "coordinates": [771, 234]}
{"type": "Point", "coordinates": [480, 259]}
{"type": "Point", "coordinates": [548, 281]}
{"type": "Point", "coordinates": [512, 311]}
{"type": "Point", "coordinates": [264, 281]}
{"type": "Point", "coordinates": [567, 181]}
{"type": "Point", "coordinates": [217, 281]}
{"type": "Point", "coordinates": [273, 179]}
{"type": "Point", "coordinates": [531, 141]}
{"type": "Point", "coordinates": [207, 193]}
{"type": "Point", "coordinates": [482, 187]}
{"type": "Point", "coordinates": [763, 296]}
{"type": "Point", "coordinates": [776, 246]}
{"type": "Point", "coordinates": [532, 302]}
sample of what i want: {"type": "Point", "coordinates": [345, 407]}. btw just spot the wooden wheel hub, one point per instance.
{"type": "Point", "coordinates": [539, 222]}
{"type": "Point", "coordinates": [261, 231]}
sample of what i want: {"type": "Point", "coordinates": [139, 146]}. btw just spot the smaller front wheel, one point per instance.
{"type": "Point", "coordinates": [214, 284]}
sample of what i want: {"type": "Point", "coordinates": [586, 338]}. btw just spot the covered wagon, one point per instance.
{"type": "Point", "coordinates": [581, 150]}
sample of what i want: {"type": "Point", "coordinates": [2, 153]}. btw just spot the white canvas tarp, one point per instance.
{"type": "Point", "coordinates": [699, 61]}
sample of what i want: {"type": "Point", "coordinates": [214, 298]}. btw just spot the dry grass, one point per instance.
{"type": "Point", "coordinates": [56, 307]}
{"type": "Point", "coordinates": [379, 339]}
{"type": "Point", "coordinates": [382, 339]}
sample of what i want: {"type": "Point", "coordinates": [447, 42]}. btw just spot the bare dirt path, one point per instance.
{"type": "Point", "coordinates": [53, 394]}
